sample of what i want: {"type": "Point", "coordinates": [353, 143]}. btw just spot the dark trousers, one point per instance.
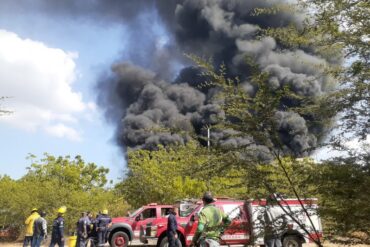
{"type": "Point", "coordinates": [57, 241]}
{"type": "Point", "coordinates": [81, 241]}
{"type": "Point", "coordinates": [36, 240]}
{"type": "Point", "coordinates": [27, 241]}
{"type": "Point", "coordinates": [101, 237]}
{"type": "Point", "coordinates": [172, 241]}
{"type": "Point", "coordinates": [273, 242]}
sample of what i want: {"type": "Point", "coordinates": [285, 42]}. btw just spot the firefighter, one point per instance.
{"type": "Point", "coordinates": [172, 228]}
{"type": "Point", "coordinates": [82, 230]}
{"type": "Point", "coordinates": [29, 227]}
{"type": "Point", "coordinates": [211, 223]}
{"type": "Point", "coordinates": [39, 230]}
{"type": "Point", "coordinates": [103, 222]}
{"type": "Point", "coordinates": [57, 235]}
{"type": "Point", "coordinates": [92, 234]}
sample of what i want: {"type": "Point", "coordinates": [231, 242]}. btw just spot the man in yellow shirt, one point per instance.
{"type": "Point", "coordinates": [29, 227]}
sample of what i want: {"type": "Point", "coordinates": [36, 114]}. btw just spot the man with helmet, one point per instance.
{"type": "Point", "coordinates": [39, 230]}
{"type": "Point", "coordinates": [103, 222]}
{"type": "Point", "coordinates": [29, 227]}
{"type": "Point", "coordinates": [211, 224]}
{"type": "Point", "coordinates": [57, 235]}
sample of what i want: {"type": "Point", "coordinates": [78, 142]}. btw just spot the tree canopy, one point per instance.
{"type": "Point", "coordinates": [52, 182]}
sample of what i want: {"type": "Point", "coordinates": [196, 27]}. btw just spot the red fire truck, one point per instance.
{"type": "Point", "coordinates": [149, 223]}
{"type": "Point", "coordinates": [127, 229]}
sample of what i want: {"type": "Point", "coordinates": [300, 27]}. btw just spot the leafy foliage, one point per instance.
{"type": "Point", "coordinates": [342, 184]}
{"type": "Point", "coordinates": [173, 173]}
{"type": "Point", "coordinates": [56, 181]}
{"type": "Point", "coordinates": [334, 29]}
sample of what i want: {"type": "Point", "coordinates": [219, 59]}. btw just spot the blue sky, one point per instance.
{"type": "Point", "coordinates": [81, 129]}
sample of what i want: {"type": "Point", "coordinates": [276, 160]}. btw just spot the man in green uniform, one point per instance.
{"type": "Point", "coordinates": [212, 222]}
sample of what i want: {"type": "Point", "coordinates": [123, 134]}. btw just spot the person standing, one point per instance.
{"type": "Point", "coordinates": [103, 223]}
{"type": "Point", "coordinates": [57, 235]}
{"type": "Point", "coordinates": [172, 228]}
{"type": "Point", "coordinates": [211, 223]}
{"type": "Point", "coordinates": [82, 230]}
{"type": "Point", "coordinates": [91, 231]}
{"type": "Point", "coordinates": [274, 222]}
{"type": "Point", "coordinates": [29, 227]}
{"type": "Point", "coordinates": [39, 230]}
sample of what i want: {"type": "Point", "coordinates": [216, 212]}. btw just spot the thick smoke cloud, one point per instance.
{"type": "Point", "coordinates": [158, 91]}
{"type": "Point", "coordinates": [147, 104]}
{"type": "Point", "coordinates": [226, 31]}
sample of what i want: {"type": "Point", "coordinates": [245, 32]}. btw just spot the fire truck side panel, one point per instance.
{"type": "Point", "coordinates": [293, 206]}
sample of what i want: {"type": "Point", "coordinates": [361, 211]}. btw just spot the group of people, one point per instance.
{"type": "Point", "coordinates": [92, 228]}
{"type": "Point", "coordinates": [36, 228]}
{"type": "Point", "coordinates": [87, 227]}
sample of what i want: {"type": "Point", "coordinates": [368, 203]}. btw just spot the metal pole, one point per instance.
{"type": "Point", "coordinates": [208, 146]}
{"type": "Point", "coordinates": [208, 138]}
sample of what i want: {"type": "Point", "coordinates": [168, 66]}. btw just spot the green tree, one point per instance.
{"type": "Point", "coordinates": [52, 182]}
{"type": "Point", "coordinates": [340, 25]}
{"type": "Point", "coordinates": [76, 173]}
{"type": "Point", "coordinates": [254, 118]}
{"type": "Point", "coordinates": [168, 174]}
{"type": "Point", "coordinates": [342, 184]}
{"type": "Point", "coordinates": [335, 29]}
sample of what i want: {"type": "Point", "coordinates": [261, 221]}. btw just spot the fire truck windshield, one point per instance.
{"type": "Point", "coordinates": [135, 212]}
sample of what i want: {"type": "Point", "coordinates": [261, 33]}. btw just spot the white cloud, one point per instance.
{"type": "Point", "coordinates": [38, 79]}
{"type": "Point", "coordinates": [60, 130]}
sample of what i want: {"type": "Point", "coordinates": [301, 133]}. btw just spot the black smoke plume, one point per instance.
{"type": "Point", "coordinates": [153, 88]}
{"type": "Point", "coordinates": [143, 100]}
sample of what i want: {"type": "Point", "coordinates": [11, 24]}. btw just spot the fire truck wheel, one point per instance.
{"type": "Point", "coordinates": [292, 241]}
{"type": "Point", "coordinates": [164, 242]}
{"type": "Point", "coordinates": [119, 239]}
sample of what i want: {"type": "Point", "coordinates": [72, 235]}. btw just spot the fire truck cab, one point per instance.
{"type": "Point", "coordinates": [127, 229]}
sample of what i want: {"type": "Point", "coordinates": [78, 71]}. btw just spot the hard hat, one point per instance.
{"type": "Point", "coordinates": [105, 211]}
{"type": "Point", "coordinates": [208, 197]}
{"type": "Point", "coordinates": [62, 210]}
{"type": "Point", "coordinates": [34, 209]}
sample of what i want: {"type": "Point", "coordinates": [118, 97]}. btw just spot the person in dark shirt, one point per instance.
{"type": "Point", "coordinates": [92, 232]}
{"type": "Point", "coordinates": [82, 227]}
{"type": "Point", "coordinates": [39, 230]}
{"type": "Point", "coordinates": [172, 228]}
{"type": "Point", "coordinates": [57, 234]}
{"type": "Point", "coordinates": [103, 222]}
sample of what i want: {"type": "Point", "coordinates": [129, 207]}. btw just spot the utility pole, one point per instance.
{"type": "Point", "coordinates": [208, 147]}
{"type": "Point", "coordinates": [208, 138]}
